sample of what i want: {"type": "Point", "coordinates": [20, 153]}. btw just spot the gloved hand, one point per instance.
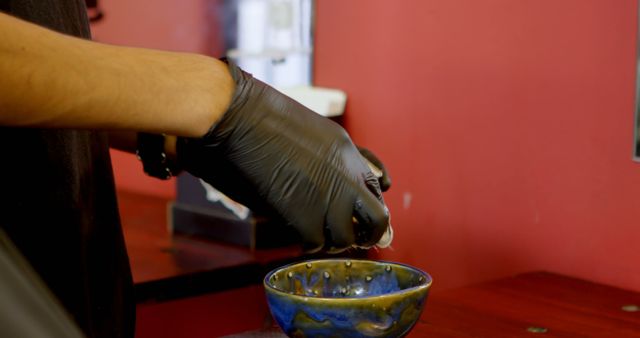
{"type": "Point", "coordinates": [275, 156]}
{"type": "Point", "coordinates": [384, 180]}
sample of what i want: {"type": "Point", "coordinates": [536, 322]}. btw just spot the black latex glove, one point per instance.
{"type": "Point", "coordinates": [275, 156]}
{"type": "Point", "coordinates": [385, 179]}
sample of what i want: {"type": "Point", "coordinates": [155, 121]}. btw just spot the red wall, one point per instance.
{"type": "Point", "coordinates": [507, 127]}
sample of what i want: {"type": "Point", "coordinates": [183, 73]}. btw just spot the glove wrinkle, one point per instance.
{"type": "Point", "coordinates": [272, 154]}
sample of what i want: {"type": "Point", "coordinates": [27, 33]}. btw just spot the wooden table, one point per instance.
{"type": "Point", "coordinates": [537, 304]}
{"type": "Point", "coordinates": [166, 267]}
{"type": "Point", "coordinates": [169, 267]}
{"type": "Point", "coordinates": [520, 306]}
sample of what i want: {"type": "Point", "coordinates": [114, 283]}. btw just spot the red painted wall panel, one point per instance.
{"type": "Point", "coordinates": [506, 125]}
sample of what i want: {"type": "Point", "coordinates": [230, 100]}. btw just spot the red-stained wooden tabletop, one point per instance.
{"type": "Point", "coordinates": [554, 305]}
{"type": "Point", "coordinates": [536, 304]}
{"type": "Point", "coordinates": [156, 255]}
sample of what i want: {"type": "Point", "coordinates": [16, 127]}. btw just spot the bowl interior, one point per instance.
{"type": "Point", "coordinates": [341, 278]}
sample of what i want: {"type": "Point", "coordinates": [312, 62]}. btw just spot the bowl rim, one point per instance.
{"type": "Point", "coordinates": [426, 285]}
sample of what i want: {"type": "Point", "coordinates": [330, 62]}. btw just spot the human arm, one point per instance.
{"type": "Point", "coordinates": [260, 147]}
{"type": "Point", "coordinates": [277, 157]}
{"type": "Point", "coordinates": [50, 80]}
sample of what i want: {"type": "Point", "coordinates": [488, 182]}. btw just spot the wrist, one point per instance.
{"type": "Point", "coordinates": [157, 153]}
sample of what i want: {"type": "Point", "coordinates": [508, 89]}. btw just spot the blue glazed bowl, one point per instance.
{"type": "Point", "coordinates": [346, 298]}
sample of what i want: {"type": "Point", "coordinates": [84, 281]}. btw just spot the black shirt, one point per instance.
{"type": "Point", "coordinates": [58, 203]}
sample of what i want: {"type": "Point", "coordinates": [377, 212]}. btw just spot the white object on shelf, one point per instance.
{"type": "Point", "coordinates": [327, 102]}
{"type": "Point", "coordinates": [274, 41]}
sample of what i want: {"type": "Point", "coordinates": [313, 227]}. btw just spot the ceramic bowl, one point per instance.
{"type": "Point", "coordinates": [346, 298]}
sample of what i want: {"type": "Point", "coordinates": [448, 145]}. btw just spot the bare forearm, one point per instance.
{"type": "Point", "coordinates": [52, 80]}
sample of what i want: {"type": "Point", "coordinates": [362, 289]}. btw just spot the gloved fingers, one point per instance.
{"type": "Point", "coordinates": [385, 179]}
{"type": "Point", "coordinates": [310, 230]}
{"type": "Point", "coordinates": [339, 231]}
{"type": "Point", "coordinates": [310, 247]}
{"type": "Point", "coordinates": [372, 218]}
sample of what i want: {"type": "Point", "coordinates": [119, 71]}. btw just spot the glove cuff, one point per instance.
{"type": "Point", "coordinates": [217, 133]}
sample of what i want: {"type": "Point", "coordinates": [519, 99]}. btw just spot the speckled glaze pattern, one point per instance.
{"type": "Point", "coordinates": [346, 298]}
